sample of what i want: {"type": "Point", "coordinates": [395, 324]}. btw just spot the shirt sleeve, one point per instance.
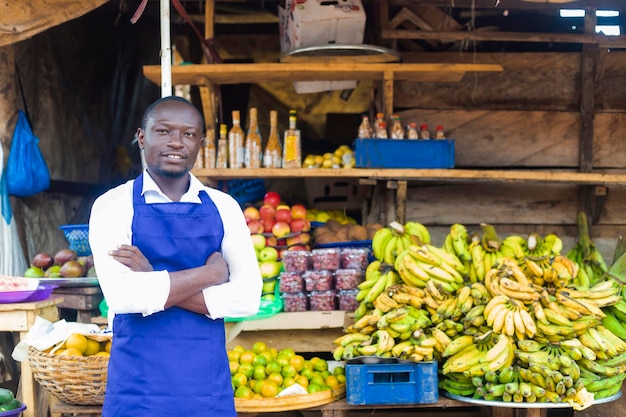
{"type": "Point", "coordinates": [125, 291]}
{"type": "Point", "coordinates": [241, 295]}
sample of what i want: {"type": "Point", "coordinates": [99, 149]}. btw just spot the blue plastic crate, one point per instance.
{"type": "Point", "coordinates": [396, 383]}
{"type": "Point", "coordinates": [77, 236]}
{"type": "Point", "coordinates": [406, 153]}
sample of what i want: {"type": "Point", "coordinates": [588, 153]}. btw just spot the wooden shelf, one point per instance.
{"type": "Point", "coordinates": [453, 175]}
{"type": "Point", "coordinates": [206, 74]}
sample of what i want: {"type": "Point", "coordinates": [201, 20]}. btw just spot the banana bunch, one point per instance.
{"type": "Point", "coordinates": [417, 265]}
{"type": "Point", "coordinates": [377, 280]}
{"type": "Point", "coordinates": [507, 316]}
{"type": "Point", "coordinates": [457, 242]}
{"type": "Point", "coordinates": [584, 253]}
{"type": "Point", "coordinates": [389, 241]}
{"type": "Point", "coordinates": [474, 356]}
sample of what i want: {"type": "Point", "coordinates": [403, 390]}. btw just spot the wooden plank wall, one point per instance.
{"type": "Point", "coordinates": [525, 117]}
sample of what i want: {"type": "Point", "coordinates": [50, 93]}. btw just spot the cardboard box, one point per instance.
{"type": "Point", "coordinates": [320, 22]}
{"type": "Point", "coordinates": [404, 153]}
{"type": "Point", "coordinates": [335, 194]}
{"type": "Point", "coordinates": [395, 383]}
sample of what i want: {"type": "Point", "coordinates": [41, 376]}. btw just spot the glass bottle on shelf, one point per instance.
{"type": "Point", "coordinates": [252, 149]}
{"type": "Point", "coordinates": [380, 127]}
{"type": "Point", "coordinates": [273, 151]}
{"type": "Point", "coordinates": [365, 128]}
{"type": "Point", "coordinates": [209, 150]}
{"type": "Point", "coordinates": [235, 142]}
{"type": "Point", "coordinates": [424, 133]}
{"type": "Point", "coordinates": [222, 148]}
{"type": "Point", "coordinates": [439, 133]}
{"type": "Point", "coordinates": [292, 150]}
{"type": "Point", "coordinates": [397, 132]}
{"type": "Point", "coordinates": [411, 131]}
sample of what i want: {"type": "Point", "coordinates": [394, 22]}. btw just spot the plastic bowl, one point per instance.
{"type": "Point", "coordinates": [10, 297]}
{"type": "Point", "coordinates": [15, 412]}
{"type": "Point", "coordinates": [42, 292]}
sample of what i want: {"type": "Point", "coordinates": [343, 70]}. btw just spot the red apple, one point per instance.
{"type": "Point", "coordinates": [267, 212]}
{"type": "Point", "coordinates": [268, 224]}
{"type": "Point", "coordinates": [271, 198]}
{"type": "Point", "coordinates": [297, 225]}
{"type": "Point", "coordinates": [307, 225]}
{"type": "Point", "coordinates": [283, 215]}
{"type": "Point", "coordinates": [251, 213]}
{"type": "Point", "coordinates": [271, 241]}
{"type": "Point", "coordinates": [283, 206]}
{"type": "Point", "coordinates": [298, 211]}
{"type": "Point", "coordinates": [281, 229]}
{"type": "Point", "coordinates": [255, 226]}
{"type": "Point", "coordinates": [259, 241]}
{"type": "Point", "coordinates": [297, 247]}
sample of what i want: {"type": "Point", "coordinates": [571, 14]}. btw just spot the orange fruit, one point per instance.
{"type": "Point", "coordinates": [269, 389]}
{"type": "Point", "coordinates": [302, 380]}
{"type": "Point", "coordinates": [287, 382]}
{"type": "Point", "coordinates": [276, 378]}
{"type": "Point", "coordinates": [259, 347]}
{"type": "Point", "coordinates": [307, 373]}
{"type": "Point", "coordinates": [282, 360]}
{"type": "Point", "coordinates": [233, 355]}
{"type": "Point", "coordinates": [239, 379]}
{"type": "Point", "coordinates": [259, 360]}
{"type": "Point", "coordinates": [339, 370]}
{"type": "Point", "coordinates": [93, 347]}
{"type": "Point", "coordinates": [273, 367]}
{"type": "Point", "coordinates": [257, 387]}
{"type": "Point", "coordinates": [289, 352]}
{"type": "Point", "coordinates": [234, 367]}
{"type": "Point", "coordinates": [313, 388]}
{"type": "Point", "coordinates": [341, 379]}
{"type": "Point", "coordinates": [267, 355]}
{"type": "Point", "coordinates": [77, 341]}
{"type": "Point", "coordinates": [71, 352]}
{"type": "Point", "coordinates": [320, 365]}
{"type": "Point", "coordinates": [288, 371]}
{"type": "Point", "coordinates": [247, 356]}
{"type": "Point", "coordinates": [239, 348]}
{"type": "Point", "coordinates": [102, 353]}
{"type": "Point", "coordinates": [243, 392]}
{"type": "Point", "coordinates": [332, 381]}
{"type": "Point", "coordinates": [297, 361]}
{"type": "Point", "coordinates": [246, 368]}
{"type": "Point", "coordinates": [274, 352]}
{"type": "Point", "coordinates": [259, 372]}
{"type": "Point", "coordinates": [107, 346]}
{"type": "Point", "coordinates": [317, 379]}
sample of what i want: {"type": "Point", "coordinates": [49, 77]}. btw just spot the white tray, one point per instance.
{"type": "Point", "coordinates": [511, 404]}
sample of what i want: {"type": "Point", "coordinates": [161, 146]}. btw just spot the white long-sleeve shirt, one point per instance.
{"type": "Point", "coordinates": [146, 292]}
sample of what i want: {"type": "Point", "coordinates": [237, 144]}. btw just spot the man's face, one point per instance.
{"type": "Point", "coordinates": [172, 139]}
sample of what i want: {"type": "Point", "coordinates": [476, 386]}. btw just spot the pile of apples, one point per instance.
{"type": "Point", "coordinates": [276, 227]}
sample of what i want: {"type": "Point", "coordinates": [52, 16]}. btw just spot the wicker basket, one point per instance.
{"type": "Point", "coordinates": [77, 236]}
{"type": "Point", "coordinates": [73, 379]}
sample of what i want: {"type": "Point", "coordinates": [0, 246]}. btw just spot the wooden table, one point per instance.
{"type": "Point", "coordinates": [84, 300]}
{"type": "Point", "coordinates": [19, 318]}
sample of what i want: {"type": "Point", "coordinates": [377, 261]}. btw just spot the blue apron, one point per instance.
{"type": "Point", "coordinates": [174, 362]}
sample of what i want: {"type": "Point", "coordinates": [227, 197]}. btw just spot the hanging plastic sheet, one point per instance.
{"type": "Point", "coordinates": [12, 260]}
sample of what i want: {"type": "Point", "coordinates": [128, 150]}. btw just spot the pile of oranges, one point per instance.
{"type": "Point", "coordinates": [263, 371]}
{"type": "Point", "coordinates": [77, 344]}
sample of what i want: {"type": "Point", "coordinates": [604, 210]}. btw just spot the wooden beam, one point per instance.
{"type": "Point", "coordinates": [484, 36]}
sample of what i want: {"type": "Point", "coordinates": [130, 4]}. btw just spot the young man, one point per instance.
{"type": "Point", "coordinates": [173, 258]}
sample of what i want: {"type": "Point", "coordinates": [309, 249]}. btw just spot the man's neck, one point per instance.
{"type": "Point", "coordinates": [173, 188]}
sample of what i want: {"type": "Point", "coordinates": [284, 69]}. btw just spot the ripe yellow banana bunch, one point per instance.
{"type": "Point", "coordinates": [474, 356]}
{"type": "Point", "coordinates": [508, 278]}
{"type": "Point", "coordinates": [389, 241]}
{"type": "Point", "coordinates": [419, 264]}
{"type": "Point", "coordinates": [509, 317]}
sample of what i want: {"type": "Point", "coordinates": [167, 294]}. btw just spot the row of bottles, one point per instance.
{"type": "Point", "coordinates": [238, 149]}
{"type": "Point", "coordinates": [396, 130]}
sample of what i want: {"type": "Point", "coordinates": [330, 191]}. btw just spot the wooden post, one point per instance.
{"type": "Point", "coordinates": [9, 95]}
{"type": "Point", "coordinates": [589, 57]}
{"type": "Point", "coordinates": [207, 93]}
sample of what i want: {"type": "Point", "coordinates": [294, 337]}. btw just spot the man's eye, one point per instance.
{"type": "Point", "coordinates": [161, 131]}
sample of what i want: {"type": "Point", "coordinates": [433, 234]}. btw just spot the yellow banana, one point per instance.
{"type": "Point", "coordinates": [500, 319]}
{"type": "Point", "coordinates": [529, 324]}
{"type": "Point", "coordinates": [478, 260]}
{"type": "Point", "coordinates": [533, 267]}
{"type": "Point", "coordinates": [556, 317]}
{"type": "Point", "coordinates": [389, 251]}
{"type": "Point", "coordinates": [418, 230]}
{"type": "Point", "coordinates": [498, 299]}
{"type": "Point", "coordinates": [385, 303]}
{"type": "Point", "coordinates": [448, 258]}
{"type": "Point", "coordinates": [379, 242]}
{"type": "Point", "coordinates": [371, 268]}
{"type": "Point", "coordinates": [540, 315]}
{"type": "Point", "coordinates": [496, 350]}
{"type": "Point", "coordinates": [441, 338]}
{"type": "Point", "coordinates": [457, 345]}
{"type": "Point", "coordinates": [385, 342]}
{"type": "Point", "coordinates": [350, 338]}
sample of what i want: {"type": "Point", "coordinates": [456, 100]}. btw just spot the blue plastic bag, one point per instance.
{"type": "Point", "coordinates": [27, 171]}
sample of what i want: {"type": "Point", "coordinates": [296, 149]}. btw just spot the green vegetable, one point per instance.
{"type": "Point", "coordinates": [6, 395]}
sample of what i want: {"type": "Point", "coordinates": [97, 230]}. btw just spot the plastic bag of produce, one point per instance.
{"type": "Point", "coordinates": [27, 171]}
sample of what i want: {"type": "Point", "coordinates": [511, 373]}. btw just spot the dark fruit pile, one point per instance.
{"type": "Point", "coordinates": [64, 264]}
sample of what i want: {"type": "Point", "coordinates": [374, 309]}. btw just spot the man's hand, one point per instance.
{"type": "Point", "coordinates": [132, 257]}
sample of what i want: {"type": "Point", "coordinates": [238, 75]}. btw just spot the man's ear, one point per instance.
{"type": "Point", "coordinates": [140, 137]}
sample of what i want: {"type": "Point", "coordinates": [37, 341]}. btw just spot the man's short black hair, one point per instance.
{"type": "Point", "coordinates": [152, 109]}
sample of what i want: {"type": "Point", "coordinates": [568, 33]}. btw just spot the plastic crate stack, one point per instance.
{"type": "Point", "coordinates": [322, 279]}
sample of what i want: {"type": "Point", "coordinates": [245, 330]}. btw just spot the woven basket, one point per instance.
{"type": "Point", "coordinates": [73, 379]}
